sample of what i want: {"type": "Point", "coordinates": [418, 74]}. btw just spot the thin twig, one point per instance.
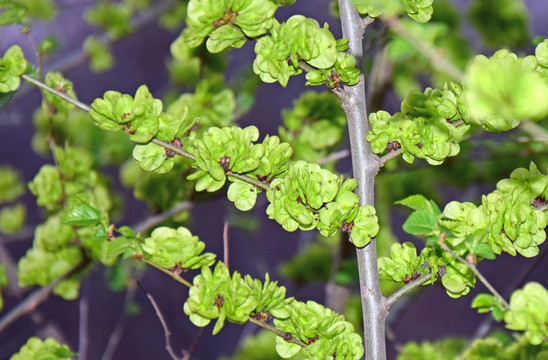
{"type": "Point", "coordinates": [434, 56]}
{"type": "Point", "coordinates": [173, 148]}
{"type": "Point", "coordinates": [163, 144]}
{"type": "Point", "coordinates": [188, 353]}
{"type": "Point", "coordinates": [517, 282]}
{"type": "Point", "coordinates": [367, 21]}
{"type": "Point", "coordinates": [152, 221]}
{"type": "Point", "coordinates": [83, 334]}
{"type": "Point", "coordinates": [116, 335]}
{"type": "Point", "coordinates": [338, 155]}
{"type": "Point", "coordinates": [277, 332]}
{"type": "Point", "coordinates": [77, 57]}
{"type": "Point", "coordinates": [249, 180]}
{"type": "Point", "coordinates": [389, 156]}
{"type": "Point", "coordinates": [36, 298]}
{"type": "Point", "coordinates": [406, 289]}
{"type": "Point", "coordinates": [168, 272]}
{"type": "Point", "coordinates": [225, 244]}
{"type": "Point", "coordinates": [41, 85]}
{"type": "Point", "coordinates": [167, 333]}
{"type": "Point", "coordinates": [479, 275]}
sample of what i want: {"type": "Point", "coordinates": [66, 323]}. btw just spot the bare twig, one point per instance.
{"type": "Point", "coordinates": [116, 335]}
{"type": "Point", "coordinates": [36, 298]}
{"type": "Point", "coordinates": [83, 334]}
{"type": "Point", "coordinates": [62, 95]}
{"type": "Point", "coordinates": [163, 144]}
{"type": "Point", "coordinates": [406, 289]}
{"type": "Point", "coordinates": [167, 333]}
{"type": "Point", "coordinates": [168, 272]}
{"type": "Point", "coordinates": [367, 21]}
{"type": "Point", "coordinates": [173, 148]}
{"type": "Point", "coordinates": [479, 275]}
{"type": "Point", "coordinates": [188, 353]}
{"type": "Point", "coordinates": [338, 155]}
{"type": "Point", "coordinates": [225, 244]}
{"type": "Point", "coordinates": [249, 180]}
{"type": "Point", "coordinates": [517, 282]}
{"type": "Point", "coordinates": [277, 332]}
{"type": "Point", "coordinates": [152, 221]}
{"type": "Point", "coordinates": [389, 156]}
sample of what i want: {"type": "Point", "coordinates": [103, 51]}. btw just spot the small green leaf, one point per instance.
{"type": "Point", "coordinates": [117, 247]}
{"type": "Point", "coordinates": [485, 251]}
{"type": "Point", "coordinates": [82, 214]}
{"type": "Point", "coordinates": [415, 202]}
{"type": "Point", "coordinates": [420, 222]}
{"type": "Point", "coordinates": [286, 349]}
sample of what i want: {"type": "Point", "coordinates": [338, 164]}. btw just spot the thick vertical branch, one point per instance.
{"type": "Point", "coordinates": [365, 167]}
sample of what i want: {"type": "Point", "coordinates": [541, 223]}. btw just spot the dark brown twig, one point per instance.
{"type": "Point", "coordinates": [36, 298]}
{"type": "Point", "coordinates": [167, 333]}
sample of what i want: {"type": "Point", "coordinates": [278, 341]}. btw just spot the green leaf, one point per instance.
{"type": "Point", "coordinates": [286, 349]}
{"type": "Point", "coordinates": [420, 222]}
{"type": "Point", "coordinates": [117, 246]}
{"type": "Point", "coordinates": [415, 202]}
{"type": "Point", "coordinates": [82, 214]}
{"type": "Point", "coordinates": [243, 195]}
{"type": "Point", "coordinates": [485, 251]}
{"type": "Point", "coordinates": [5, 98]}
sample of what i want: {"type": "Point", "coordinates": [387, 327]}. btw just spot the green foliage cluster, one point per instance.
{"type": "Point", "coordinates": [72, 191]}
{"type": "Point", "coordinates": [170, 248]}
{"type": "Point", "coordinates": [301, 40]}
{"type": "Point", "coordinates": [50, 349]}
{"type": "Point", "coordinates": [310, 197]}
{"type": "Point", "coordinates": [501, 23]}
{"type": "Point", "coordinates": [12, 66]}
{"type": "Point", "coordinates": [227, 23]}
{"type": "Point", "coordinates": [327, 333]}
{"type": "Point", "coordinates": [529, 312]}
{"type": "Point", "coordinates": [430, 125]}
{"type": "Point", "coordinates": [12, 216]}
{"type": "Point", "coordinates": [218, 295]}
{"type": "Point", "coordinates": [419, 10]}
{"type": "Point", "coordinates": [314, 126]}
{"type": "Point", "coordinates": [499, 345]}
{"type": "Point", "coordinates": [509, 217]}
{"type": "Point", "coordinates": [500, 89]}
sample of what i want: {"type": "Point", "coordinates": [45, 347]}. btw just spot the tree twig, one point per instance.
{"type": "Point", "coordinates": [116, 335]}
{"type": "Point", "coordinates": [338, 155]}
{"type": "Point", "coordinates": [71, 100]}
{"type": "Point", "coordinates": [152, 221]}
{"type": "Point", "coordinates": [167, 333]}
{"type": "Point", "coordinates": [188, 353]}
{"type": "Point", "coordinates": [479, 275]}
{"type": "Point", "coordinates": [36, 298]}
{"type": "Point", "coordinates": [277, 332]}
{"type": "Point", "coordinates": [170, 273]}
{"type": "Point", "coordinates": [406, 289]}
{"type": "Point", "coordinates": [389, 156]}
